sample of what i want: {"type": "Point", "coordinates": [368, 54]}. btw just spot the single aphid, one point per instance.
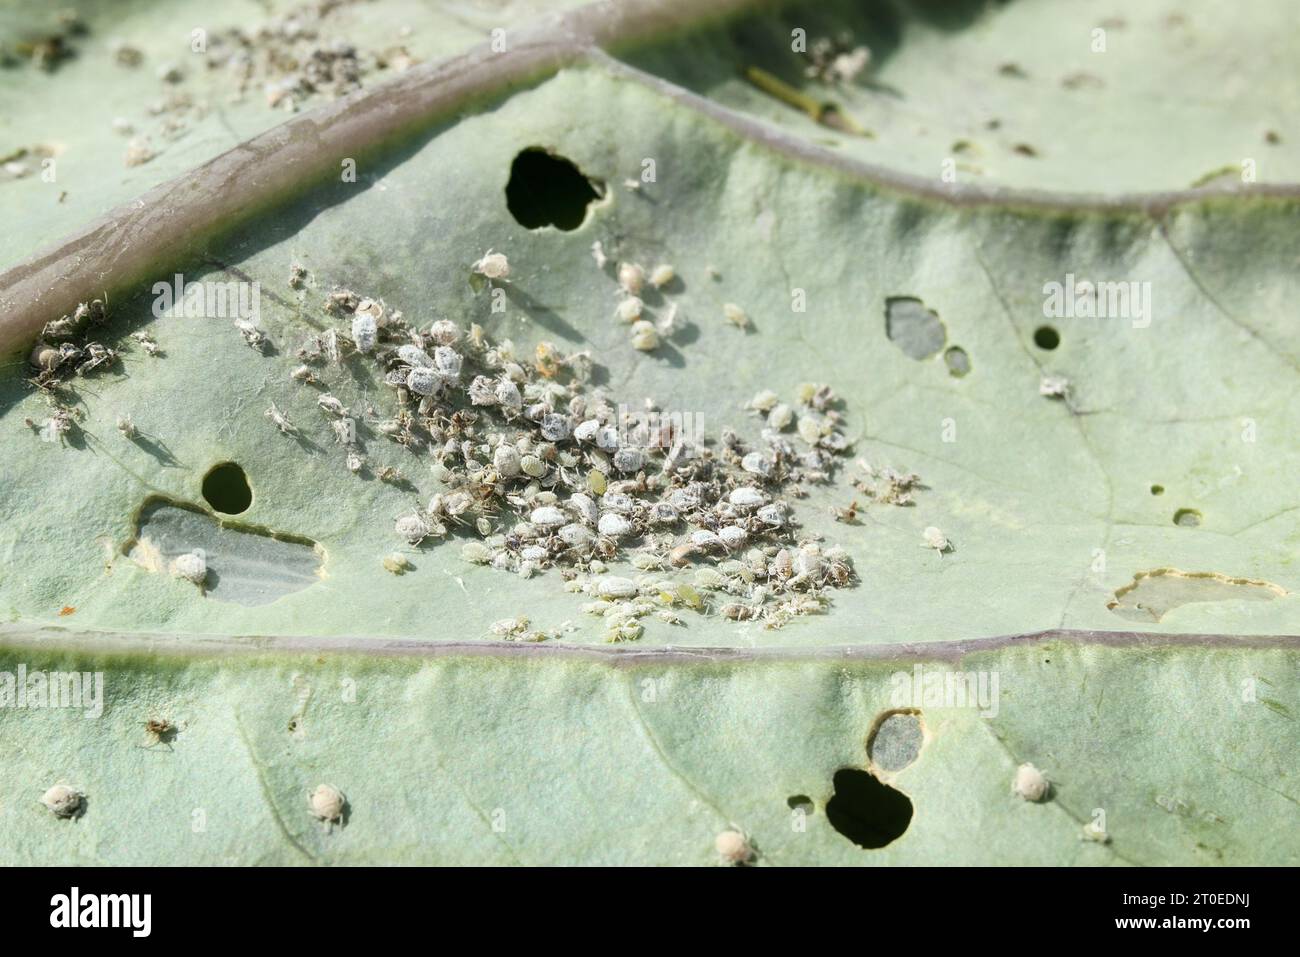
{"type": "Point", "coordinates": [365, 332]}
{"type": "Point", "coordinates": [935, 539]}
{"type": "Point", "coordinates": [645, 337]}
{"type": "Point", "coordinates": [355, 462]}
{"type": "Point", "coordinates": [255, 338]}
{"type": "Point", "coordinates": [327, 804]}
{"type": "Point", "coordinates": [733, 848]}
{"type": "Point", "coordinates": [396, 563]}
{"type": "Point", "coordinates": [297, 276]}
{"type": "Point", "coordinates": [345, 431]}
{"type": "Point", "coordinates": [62, 801]}
{"type": "Point", "coordinates": [735, 315]}
{"type": "Point", "coordinates": [147, 343]}
{"type": "Point", "coordinates": [126, 426]}
{"type": "Point", "coordinates": [669, 323]}
{"type": "Point", "coordinates": [780, 417]}
{"type": "Point", "coordinates": [331, 405]}
{"type": "Point", "coordinates": [281, 421]}
{"type": "Point", "coordinates": [303, 374]}
{"type": "Point", "coordinates": [158, 729]}
{"type": "Point", "coordinates": [849, 515]}
{"type": "Point", "coordinates": [662, 275]}
{"type": "Point", "coordinates": [631, 278]}
{"type": "Point", "coordinates": [492, 266]}
{"type": "Point", "coordinates": [192, 566]}
{"type": "Point", "coordinates": [1030, 783]}
{"type": "Point", "coordinates": [598, 254]}
{"type": "Point", "coordinates": [1054, 387]}
{"type": "Point", "coordinates": [629, 310]}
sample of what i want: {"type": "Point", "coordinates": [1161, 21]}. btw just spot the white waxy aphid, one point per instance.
{"type": "Point", "coordinates": [732, 536]}
{"type": "Point", "coordinates": [533, 553]}
{"type": "Point", "coordinates": [764, 401]}
{"type": "Point", "coordinates": [555, 427]}
{"type": "Point", "coordinates": [533, 466]}
{"type": "Point", "coordinates": [629, 460]}
{"type": "Point", "coordinates": [493, 266]}
{"type": "Point", "coordinates": [365, 332]}
{"type": "Point", "coordinates": [252, 335]}
{"type": "Point", "coordinates": [447, 361]}
{"type": "Point", "coordinates": [575, 535]}
{"type": "Point", "coordinates": [756, 463]}
{"type": "Point", "coordinates": [586, 431]}
{"type": "Point", "coordinates": [773, 515]}
{"type": "Point", "coordinates": [662, 275]}
{"type": "Point", "coordinates": [414, 356]}
{"type": "Point", "coordinates": [1054, 387]}
{"type": "Point", "coordinates": [614, 587]}
{"type": "Point", "coordinates": [508, 394]}
{"type": "Point", "coordinates": [607, 437]}
{"type": "Point", "coordinates": [548, 516]}
{"type": "Point", "coordinates": [445, 332]}
{"type": "Point", "coordinates": [326, 804]}
{"type": "Point", "coordinates": [422, 380]}
{"type": "Point", "coordinates": [703, 539]}
{"type": "Point", "coordinates": [746, 497]}
{"type": "Point", "coordinates": [192, 566]}
{"type": "Point", "coordinates": [630, 309]}
{"type": "Point", "coordinates": [476, 552]}
{"type": "Point", "coordinates": [598, 254]}
{"type": "Point", "coordinates": [735, 315]}
{"type": "Point", "coordinates": [645, 337]}
{"type": "Point", "coordinates": [413, 528]}
{"type": "Point", "coordinates": [936, 539]}
{"type": "Point", "coordinates": [733, 848]}
{"type": "Point", "coordinates": [303, 374]}
{"type": "Point", "coordinates": [345, 431]}
{"type": "Point", "coordinates": [330, 404]}
{"type": "Point", "coordinates": [62, 801]}
{"type": "Point", "coordinates": [613, 525]}
{"type": "Point", "coordinates": [126, 426]}
{"type": "Point", "coordinates": [506, 460]}
{"type": "Point", "coordinates": [355, 462]}
{"type": "Point", "coordinates": [780, 417]}
{"type": "Point", "coordinates": [810, 429]}
{"type": "Point", "coordinates": [1030, 783]}
{"type": "Point", "coordinates": [631, 277]}
{"type": "Point", "coordinates": [584, 507]}
{"type": "Point", "coordinates": [281, 420]}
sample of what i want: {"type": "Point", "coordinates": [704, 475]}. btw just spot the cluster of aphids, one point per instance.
{"type": "Point", "coordinates": [550, 473]}
{"type": "Point", "coordinates": [58, 357]}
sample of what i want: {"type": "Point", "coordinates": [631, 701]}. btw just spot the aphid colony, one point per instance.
{"type": "Point", "coordinates": [551, 474]}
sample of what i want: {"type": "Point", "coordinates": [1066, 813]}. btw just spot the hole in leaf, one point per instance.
{"type": "Point", "coordinates": [225, 488]}
{"type": "Point", "coordinates": [800, 802]}
{"type": "Point", "coordinates": [957, 361]}
{"type": "Point", "coordinates": [1157, 490]}
{"type": "Point", "coordinates": [1045, 337]}
{"type": "Point", "coordinates": [918, 331]}
{"type": "Point", "coordinates": [548, 190]}
{"type": "Point", "coordinates": [867, 812]}
{"type": "Point", "coordinates": [1153, 594]}
{"type": "Point", "coordinates": [1187, 517]}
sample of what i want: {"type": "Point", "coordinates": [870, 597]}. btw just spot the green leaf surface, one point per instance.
{"type": "Point", "coordinates": [1156, 677]}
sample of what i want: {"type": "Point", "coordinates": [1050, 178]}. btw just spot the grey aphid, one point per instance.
{"type": "Point", "coordinates": [62, 801]}
{"type": "Point", "coordinates": [422, 380]}
{"type": "Point", "coordinates": [613, 525]}
{"type": "Point", "coordinates": [414, 356]}
{"type": "Point", "coordinates": [365, 332]}
{"type": "Point", "coordinates": [548, 516]}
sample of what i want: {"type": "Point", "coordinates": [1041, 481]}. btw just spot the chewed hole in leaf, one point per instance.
{"type": "Point", "coordinates": [1187, 517]}
{"type": "Point", "coordinates": [1154, 594]}
{"type": "Point", "coordinates": [245, 564]}
{"type": "Point", "coordinates": [868, 812]}
{"type": "Point", "coordinates": [800, 802]}
{"type": "Point", "coordinates": [896, 740]}
{"type": "Point", "coordinates": [912, 327]}
{"type": "Point", "coordinates": [226, 489]}
{"type": "Point", "coordinates": [957, 361]}
{"type": "Point", "coordinates": [549, 190]}
{"type": "Point", "coordinates": [1047, 338]}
